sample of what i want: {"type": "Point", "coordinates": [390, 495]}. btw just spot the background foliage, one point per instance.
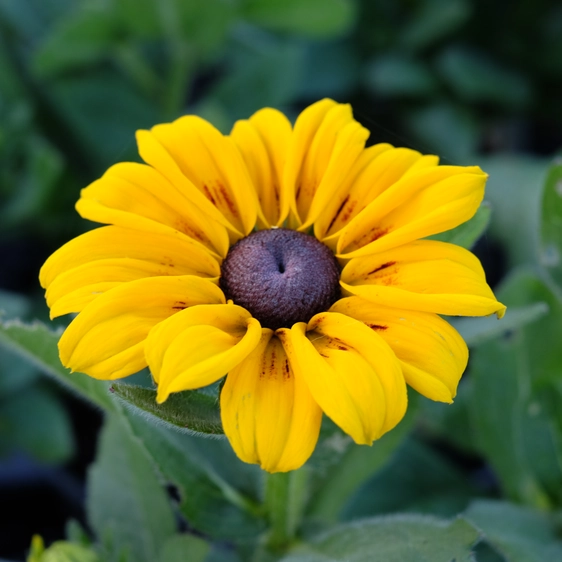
{"type": "Point", "coordinates": [477, 83]}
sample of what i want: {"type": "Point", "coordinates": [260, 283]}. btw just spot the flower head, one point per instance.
{"type": "Point", "coordinates": [291, 259]}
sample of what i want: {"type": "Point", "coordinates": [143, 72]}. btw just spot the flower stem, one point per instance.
{"type": "Point", "coordinates": [285, 498]}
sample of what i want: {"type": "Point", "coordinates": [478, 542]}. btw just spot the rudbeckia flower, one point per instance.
{"type": "Point", "coordinates": [290, 259]}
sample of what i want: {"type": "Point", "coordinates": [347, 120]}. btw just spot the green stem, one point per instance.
{"type": "Point", "coordinates": [285, 499]}
{"type": "Point", "coordinates": [181, 69]}
{"type": "Point", "coordinates": [141, 73]}
{"type": "Point", "coordinates": [181, 56]}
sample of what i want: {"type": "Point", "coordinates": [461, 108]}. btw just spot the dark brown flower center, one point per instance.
{"type": "Point", "coordinates": [281, 276]}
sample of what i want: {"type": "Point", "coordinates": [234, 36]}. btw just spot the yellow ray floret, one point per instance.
{"type": "Point", "coordinates": [431, 352]}
{"type": "Point", "coordinates": [426, 275]}
{"type": "Point", "coordinates": [197, 346]}
{"type": "Point", "coordinates": [106, 340]}
{"type": "Point", "coordinates": [351, 372]}
{"type": "Point", "coordinates": [268, 412]}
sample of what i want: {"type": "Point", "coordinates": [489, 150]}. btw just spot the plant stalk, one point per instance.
{"type": "Point", "coordinates": [285, 500]}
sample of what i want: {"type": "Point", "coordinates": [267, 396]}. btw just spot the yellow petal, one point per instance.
{"type": "Point", "coordinates": [154, 153]}
{"type": "Point", "coordinates": [137, 196]}
{"type": "Point", "coordinates": [347, 148]}
{"type": "Point", "coordinates": [378, 168]}
{"type": "Point", "coordinates": [425, 202]}
{"type": "Point", "coordinates": [326, 142]}
{"type": "Point", "coordinates": [351, 372]}
{"type": "Point", "coordinates": [432, 353]}
{"type": "Point", "coordinates": [199, 345]}
{"type": "Point", "coordinates": [106, 340]}
{"type": "Point", "coordinates": [426, 275]}
{"type": "Point", "coordinates": [268, 413]}
{"type": "Point", "coordinates": [303, 134]}
{"type": "Point", "coordinates": [101, 259]}
{"type": "Point", "coordinates": [263, 141]}
{"type": "Point", "coordinates": [214, 166]}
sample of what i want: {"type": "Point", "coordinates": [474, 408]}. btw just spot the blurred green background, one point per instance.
{"type": "Point", "coordinates": [473, 81]}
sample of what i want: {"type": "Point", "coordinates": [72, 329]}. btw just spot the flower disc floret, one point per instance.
{"type": "Point", "coordinates": [281, 277]}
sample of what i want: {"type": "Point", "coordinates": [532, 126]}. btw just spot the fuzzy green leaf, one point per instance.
{"type": "Point", "coordinates": [477, 77]}
{"type": "Point", "coordinates": [127, 505]}
{"type": "Point", "coordinates": [396, 75]}
{"type": "Point", "coordinates": [414, 538]}
{"type": "Point", "coordinates": [184, 547]}
{"type": "Point", "coordinates": [268, 75]}
{"type": "Point", "coordinates": [514, 407]}
{"type": "Point", "coordinates": [60, 551]}
{"type": "Point", "coordinates": [514, 190]}
{"type": "Point", "coordinates": [217, 491]}
{"type": "Point", "coordinates": [417, 479]}
{"type": "Point", "coordinates": [189, 411]}
{"type": "Point", "coordinates": [551, 224]}
{"type": "Point", "coordinates": [479, 330]}
{"type": "Point", "coordinates": [83, 37]}
{"type": "Point", "coordinates": [313, 18]}
{"type": "Point", "coordinates": [432, 21]}
{"type": "Point", "coordinates": [13, 305]}
{"type": "Point", "coordinates": [36, 343]}
{"type": "Point", "coordinates": [445, 129]}
{"type": "Point", "coordinates": [15, 373]}
{"type": "Point", "coordinates": [520, 534]}
{"type": "Point", "coordinates": [46, 434]}
{"type": "Point", "coordinates": [353, 469]}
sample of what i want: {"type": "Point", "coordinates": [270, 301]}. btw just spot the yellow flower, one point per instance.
{"type": "Point", "coordinates": [289, 258]}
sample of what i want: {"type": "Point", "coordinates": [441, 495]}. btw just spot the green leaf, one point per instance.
{"type": "Point", "coordinates": [67, 552]}
{"type": "Point", "coordinates": [451, 423]}
{"type": "Point", "coordinates": [479, 330]}
{"type": "Point", "coordinates": [514, 190]}
{"type": "Point", "coordinates": [445, 129]}
{"type": "Point", "coordinates": [311, 18]}
{"type": "Point", "coordinates": [102, 111]}
{"type": "Point", "coordinates": [433, 21]}
{"type": "Point", "coordinates": [181, 548]}
{"type": "Point", "coordinates": [75, 533]}
{"type": "Point", "coordinates": [512, 378]}
{"type": "Point", "coordinates": [352, 470]}
{"type": "Point", "coordinates": [551, 223]}
{"type": "Point", "coordinates": [38, 345]}
{"type": "Point", "coordinates": [477, 78]}
{"type": "Point", "coordinates": [398, 538]}
{"type": "Point", "coordinates": [484, 552]}
{"type": "Point", "coordinates": [13, 305]}
{"type": "Point", "coordinates": [395, 74]}
{"type": "Point", "coordinates": [261, 72]}
{"type": "Point", "coordinates": [140, 18]}
{"type": "Point", "coordinates": [15, 373]}
{"type": "Point", "coordinates": [468, 233]}
{"type": "Point", "coordinates": [60, 551]}
{"type": "Point", "coordinates": [127, 505]}
{"type": "Point", "coordinates": [189, 411]}
{"type": "Point", "coordinates": [83, 37]}
{"type": "Point", "coordinates": [37, 422]}
{"type": "Point", "coordinates": [330, 69]}
{"type": "Point", "coordinates": [28, 18]}
{"type": "Point", "coordinates": [417, 479]}
{"type": "Point", "coordinates": [518, 533]}
{"type": "Point", "coordinates": [217, 490]}
{"type": "Point", "coordinates": [203, 25]}
{"type": "Point", "coordinates": [37, 183]}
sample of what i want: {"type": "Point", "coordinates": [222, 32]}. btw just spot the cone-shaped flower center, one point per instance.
{"type": "Point", "coordinates": [281, 276]}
